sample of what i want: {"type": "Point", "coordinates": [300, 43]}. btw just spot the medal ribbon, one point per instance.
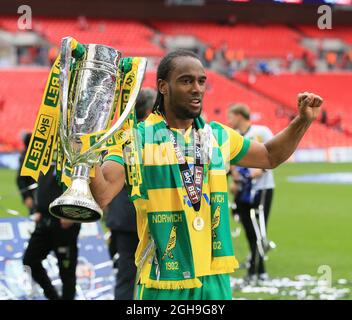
{"type": "Point", "coordinates": [192, 182]}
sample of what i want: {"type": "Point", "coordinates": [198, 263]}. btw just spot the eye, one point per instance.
{"type": "Point", "coordinates": [187, 81]}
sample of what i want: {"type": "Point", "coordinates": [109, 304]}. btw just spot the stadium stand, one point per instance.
{"type": "Point", "coordinates": [272, 98]}
{"type": "Point", "coordinates": [338, 32]}
{"type": "Point", "coordinates": [222, 92]}
{"type": "Point", "coordinates": [131, 37]}
{"type": "Point", "coordinates": [334, 87]}
{"type": "Point", "coordinates": [252, 39]}
{"type": "Point", "coordinates": [22, 91]}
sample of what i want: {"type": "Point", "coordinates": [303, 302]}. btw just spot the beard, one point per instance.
{"type": "Point", "coordinates": [183, 111]}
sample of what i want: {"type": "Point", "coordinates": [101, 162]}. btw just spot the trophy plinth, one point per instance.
{"type": "Point", "coordinates": [77, 203]}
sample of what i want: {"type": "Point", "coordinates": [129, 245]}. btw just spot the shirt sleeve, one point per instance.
{"type": "Point", "coordinates": [238, 147]}
{"type": "Point", "coordinates": [115, 154]}
{"type": "Point", "coordinates": [233, 145]}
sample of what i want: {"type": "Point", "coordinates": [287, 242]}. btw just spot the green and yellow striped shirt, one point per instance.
{"type": "Point", "coordinates": [164, 186]}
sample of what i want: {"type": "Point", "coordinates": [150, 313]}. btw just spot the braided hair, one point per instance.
{"type": "Point", "coordinates": [164, 69]}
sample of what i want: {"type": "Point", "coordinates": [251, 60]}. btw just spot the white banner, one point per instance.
{"type": "Point", "coordinates": [333, 154]}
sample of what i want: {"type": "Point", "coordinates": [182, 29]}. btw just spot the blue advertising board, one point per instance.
{"type": "Point", "coordinates": [95, 276]}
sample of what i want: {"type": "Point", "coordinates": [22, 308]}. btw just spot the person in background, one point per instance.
{"type": "Point", "coordinates": [209, 54]}
{"type": "Point", "coordinates": [26, 184]}
{"type": "Point", "coordinates": [331, 59]}
{"type": "Point", "coordinates": [52, 234]}
{"type": "Point", "coordinates": [53, 52]}
{"type": "Point", "coordinates": [121, 220]}
{"type": "Point", "coordinates": [256, 186]}
{"type": "Point", "coordinates": [324, 117]}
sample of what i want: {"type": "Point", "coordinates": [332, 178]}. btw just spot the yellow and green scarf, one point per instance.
{"type": "Point", "coordinates": [169, 250]}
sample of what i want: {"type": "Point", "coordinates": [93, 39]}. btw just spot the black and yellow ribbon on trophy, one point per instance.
{"type": "Point", "coordinates": [45, 140]}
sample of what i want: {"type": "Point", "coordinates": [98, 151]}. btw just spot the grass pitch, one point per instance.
{"type": "Point", "coordinates": [309, 222]}
{"type": "Point", "coordinates": [311, 225]}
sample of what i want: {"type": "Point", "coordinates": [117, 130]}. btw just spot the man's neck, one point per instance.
{"type": "Point", "coordinates": [243, 127]}
{"type": "Point", "coordinates": [177, 123]}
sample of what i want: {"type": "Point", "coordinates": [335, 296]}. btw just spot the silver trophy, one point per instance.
{"type": "Point", "coordinates": [88, 103]}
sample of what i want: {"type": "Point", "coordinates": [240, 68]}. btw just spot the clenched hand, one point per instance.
{"type": "Point", "coordinates": [309, 105]}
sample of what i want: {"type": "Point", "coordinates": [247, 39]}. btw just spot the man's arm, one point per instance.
{"type": "Point", "coordinates": [108, 182]}
{"type": "Point", "coordinates": [281, 147]}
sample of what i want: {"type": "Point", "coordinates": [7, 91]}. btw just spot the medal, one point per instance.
{"type": "Point", "coordinates": [198, 223]}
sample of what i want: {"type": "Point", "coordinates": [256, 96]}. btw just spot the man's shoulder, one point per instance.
{"type": "Point", "coordinates": [218, 125]}
{"type": "Point", "coordinates": [148, 129]}
{"type": "Point", "coordinates": [152, 121]}
{"type": "Point", "coordinates": [224, 129]}
{"type": "Point", "coordinates": [223, 133]}
{"type": "Point", "coordinates": [141, 125]}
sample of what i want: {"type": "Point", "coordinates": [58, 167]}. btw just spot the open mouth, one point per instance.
{"type": "Point", "coordinates": [196, 103]}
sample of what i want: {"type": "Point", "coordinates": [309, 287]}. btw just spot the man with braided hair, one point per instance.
{"type": "Point", "coordinates": [183, 184]}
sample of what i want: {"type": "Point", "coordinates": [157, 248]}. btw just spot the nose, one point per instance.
{"type": "Point", "coordinates": [196, 88]}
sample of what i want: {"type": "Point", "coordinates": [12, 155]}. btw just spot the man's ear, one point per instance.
{"type": "Point", "coordinates": [163, 87]}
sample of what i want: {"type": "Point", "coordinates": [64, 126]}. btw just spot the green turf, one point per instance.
{"type": "Point", "coordinates": [9, 195]}
{"type": "Point", "coordinates": [310, 223]}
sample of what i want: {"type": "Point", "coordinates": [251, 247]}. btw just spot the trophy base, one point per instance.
{"type": "Point", "coordinates": [77, 203]}
{"type": "Point", "coordinates": [75, 210]}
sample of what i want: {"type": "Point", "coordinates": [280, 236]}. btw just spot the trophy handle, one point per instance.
{"type": "Point", "coordinates": [65, 60]}
{"type": "Point", "coordinates": [129, 107]}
